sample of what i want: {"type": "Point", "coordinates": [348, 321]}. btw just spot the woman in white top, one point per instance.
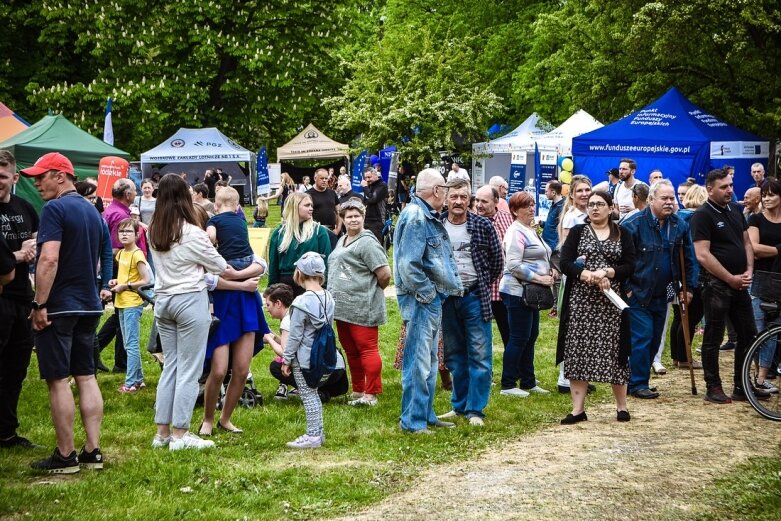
{"type": "Point", "coordinates": [184, 253]}
{"type": "Point", "coordinates": [146, 202]}
{"type": "Point", "coordinates": [574, 211]}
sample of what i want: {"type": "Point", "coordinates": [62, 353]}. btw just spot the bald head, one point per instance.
{"type": "Point", "coordinates": [486, 199]}
{"type": "Point", "coordinates": [752, 199]}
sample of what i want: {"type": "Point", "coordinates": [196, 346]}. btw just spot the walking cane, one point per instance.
{"type": "Point", "coordinates": [685, 322]}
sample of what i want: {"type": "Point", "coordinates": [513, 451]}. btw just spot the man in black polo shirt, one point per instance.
{"type": "Point", "coordinates": [324, 201]}
{"type": "Point", "coordinates": [724, 250]}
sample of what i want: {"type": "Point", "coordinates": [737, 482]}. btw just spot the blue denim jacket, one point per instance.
{"type": "Point", "coordinates": [648, 251]}
{"type": "Point", "coordinates": [423, 262]}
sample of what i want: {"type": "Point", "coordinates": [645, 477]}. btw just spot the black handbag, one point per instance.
{"type": "Point", "coordinates": [537, 296]}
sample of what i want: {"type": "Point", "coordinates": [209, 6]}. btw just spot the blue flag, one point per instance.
{"type": "Point", "coordinates": [358, 166]}
{"type": "Point", "coordinates": [264, 183]}
{"type": "Point", "coordinates": [108, 127]}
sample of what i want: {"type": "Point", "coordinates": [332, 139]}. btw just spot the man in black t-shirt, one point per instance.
{"type": "Point", "coordinates": [375, 196]}
{"type": "Point", "coordinates": [7, 264]}
{"type": "Point", "coordinates": [324, 201]}
{"type": "Point", "coordinates": [724, 250]}
{"type": "Point", "coordinates": [18, 225]}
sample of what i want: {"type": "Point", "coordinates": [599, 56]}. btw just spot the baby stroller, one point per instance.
{"type": "Point", "coordinates": [250, 396]}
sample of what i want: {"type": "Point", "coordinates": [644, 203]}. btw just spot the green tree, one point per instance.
{"type": "Point", "coordinates": [257, 70]}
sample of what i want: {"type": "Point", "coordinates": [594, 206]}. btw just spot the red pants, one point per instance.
{"type": "Point", "coordinates": [361, 344]}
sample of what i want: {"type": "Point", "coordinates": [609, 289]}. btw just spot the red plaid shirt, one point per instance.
{"type": "Point", "coordinates": [501, 221]}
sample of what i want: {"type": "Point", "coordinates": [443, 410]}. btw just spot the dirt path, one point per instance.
{"type": "Point", "coordinates": [598, 469]}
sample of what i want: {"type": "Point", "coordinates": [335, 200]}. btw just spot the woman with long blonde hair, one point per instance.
{"type": "Point", "coordinates": [297, 234]}
{"type": "Point", "coordinates": [574, 211]}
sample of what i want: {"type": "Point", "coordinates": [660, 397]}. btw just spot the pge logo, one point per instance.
{"type": "Point", "coordinates": [312, 134]}
{"type": "Point", "coordinates": [177, 143]}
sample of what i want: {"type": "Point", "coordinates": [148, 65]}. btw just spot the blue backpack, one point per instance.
{"type": "Point", "coordinates": [322, 359]}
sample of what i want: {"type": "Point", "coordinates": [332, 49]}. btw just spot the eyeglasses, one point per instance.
{"type": "Point", "coordinates": [597, 204]}
{"type": "Point", "coordinates": [126, 232]}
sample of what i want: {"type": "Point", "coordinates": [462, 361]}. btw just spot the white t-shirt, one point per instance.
{"type": "Point", "coordinates": [284, 324]}
{"type": "Point", "coordinates": [623, 197]}
{"type": "Point", "coordinates": [573, 217]}
{"type": "Point", "coordinates": [462, 251]}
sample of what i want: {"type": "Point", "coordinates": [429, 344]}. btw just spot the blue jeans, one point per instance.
{"type": "Point", "coordinates": [518, 359]}
{"type": "Point", "coordinates": [130, 323]}
{"type": "Point", "coordinates": [419, 364]}
{"type": "Point", "coordinates": [768, 349]}
{"type": "Point", "coordinates": [468, 353]}
{"type": "Point", "coordinates": [647, 330]}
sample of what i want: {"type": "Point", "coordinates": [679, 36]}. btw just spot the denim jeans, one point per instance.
{"type": "Point", "coordinates": [419, 365]}
{"type": "Point", "coordinates": [647, 330]}
{"type": "Point", "coordinates": [768, 349]}
{"type": "Point", "coordinates": [130, 323]}
{"type": "Point", "coordinates": [468, 353]}
{"type": "Point", "coordinates": [518, 359]}
{"type": "Point", "coordinates": [721, 301]}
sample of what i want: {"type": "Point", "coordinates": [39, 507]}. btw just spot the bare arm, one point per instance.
{"type": "Point", "coordinates": [749, 254]}
{"type": "Point", "coordinates": [713, 266]}
{"type": "Point", "coordinates": [383, 274]}
{"type": "Point", "coordinates": [761, 251]}
{"type": "Point", "coordinates": [211, 231]}
{"type": "Point", "coordinates": [45, 273]}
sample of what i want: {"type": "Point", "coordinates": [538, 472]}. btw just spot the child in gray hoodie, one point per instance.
{"type": "Point", "coordinates": [308, 313]}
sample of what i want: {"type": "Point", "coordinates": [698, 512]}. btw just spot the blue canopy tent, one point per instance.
{"type": "Point", "coordinates": [677, 137]}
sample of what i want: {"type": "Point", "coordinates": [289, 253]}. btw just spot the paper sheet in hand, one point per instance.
{"type": "Point", "coordinates": [615, 299]}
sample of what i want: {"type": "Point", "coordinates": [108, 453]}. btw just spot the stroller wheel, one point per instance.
{"type": "Point", "coordinates": [248, 399]}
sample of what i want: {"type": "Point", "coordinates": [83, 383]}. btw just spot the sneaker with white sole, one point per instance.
{"type": "Point", "coordinates": [518, 393]}
{"type": "Point", "coordinates": [476, 421]}
{"type": "Point", "coordinates": [363, 400]}
{"type": "Point", "coordinates": [767, 387]}
{"type": "Point", "coordinates": [189, 441]}
{"type": "Point", "coordinates": [58, 464]}
{"type": "Point", "coordinates": [538, 390]}
{"type": "Point", "coordinates": [659, 368]}
{"type": "Point", "coordinates": [281, 393]}
{"type": "Point", "coordinates": [91, 460]}
{"type": "Point", "coordinates": [160, 442]}
{"type": "Point", "coordinates": [306, 441]}
{"type": "Point", "coordinates": [449, 414]}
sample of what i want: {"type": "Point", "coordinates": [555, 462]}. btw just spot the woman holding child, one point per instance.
{"type": "Point", "coordinates": [359, 273]}
{"type": "Point", "coordinates": [242, 326]}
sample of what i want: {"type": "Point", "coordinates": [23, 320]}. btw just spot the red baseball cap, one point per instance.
{"type": "Point", "coordinates": [48, 162]}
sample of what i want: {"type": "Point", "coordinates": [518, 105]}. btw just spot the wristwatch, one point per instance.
{"type": "Point", "coordinates": [36, 305]}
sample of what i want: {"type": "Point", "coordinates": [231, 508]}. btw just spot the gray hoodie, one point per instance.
{"type": "Point", "coordinates": [306, 318]}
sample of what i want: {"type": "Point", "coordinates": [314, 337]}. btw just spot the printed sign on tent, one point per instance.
{"type": "Point", "coordinates": [517, 179]}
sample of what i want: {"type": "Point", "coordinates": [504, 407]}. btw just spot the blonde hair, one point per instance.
{"type": "Point", "coordinates": [287, 180]}
{"type": "Point", "coordinates": [227, 197]}
{"type": "Point", "coordinates": [569, 203]}
{"type": "Point", "coordinates": [292, 227]}
{"type": "Point", "coordinates": [261, 209]}
{"type": "Point", "coordinates": [299, 278]}
{"type": "Point", "coordinates": [695, 197]}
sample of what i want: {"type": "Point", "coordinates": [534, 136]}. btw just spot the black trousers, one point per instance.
{"type": "Point", "coordinates": [109, 331]}
{"type": "Point", "coordinates": [16, 347]}
{"type": "Point", "coordinates": [500, 316]}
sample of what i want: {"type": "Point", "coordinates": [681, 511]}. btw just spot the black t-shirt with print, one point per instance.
{"type": "Point", "coordinates": [18, 222]}
{"type": "Point", "coordinates": [723, 226]}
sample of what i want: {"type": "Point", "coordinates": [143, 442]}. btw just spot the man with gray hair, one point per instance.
{"type": "Point", "coordinates": [500, 184]}
{"type": "Point", "coordinates": [758, 174]}
{"type": "Point", "coordinates": [639, 198]}
{"type": "Point", "coordinates": [425, 274]}
{"type": "Point", "coordinates": [658, 234]}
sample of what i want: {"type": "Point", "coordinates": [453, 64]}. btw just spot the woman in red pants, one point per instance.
{"type": "Point", "coordinates": [357, 274]}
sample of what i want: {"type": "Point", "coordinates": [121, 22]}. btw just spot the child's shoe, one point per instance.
{"type": "Point", "coordinates": [306, 441]}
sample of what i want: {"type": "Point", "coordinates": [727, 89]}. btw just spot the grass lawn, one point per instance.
{"type": "Point", "coordinates": [253, 476]}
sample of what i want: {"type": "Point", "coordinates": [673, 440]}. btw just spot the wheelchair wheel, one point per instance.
{"type": "Point", "coordinates": [768, 408]}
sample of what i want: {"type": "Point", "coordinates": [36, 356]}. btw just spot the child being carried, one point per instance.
{"type": "Point", "coordinates": [228, 230]}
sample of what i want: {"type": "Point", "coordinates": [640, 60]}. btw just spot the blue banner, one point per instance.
{"type": "Point", "coordinates": [264, 182]}
{"type": "Point", "coordinates": [357, 175]}
{"type": "Point", "coordinates": [517, 180]}
{"type": "Point", "coordinates": [386, 156]}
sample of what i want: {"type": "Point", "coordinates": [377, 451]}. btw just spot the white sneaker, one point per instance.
{"type": "Point", "coordinates": [449, 414]}
{"type": "Point", "coordinates": [767, 387]}
{"type": "Point", "coordinates": [189, 441]}
{"type": "Point", "coordinates": [476, 421]}
{"type": "Point", "coordinates": [538, 390]}
{"type": "Point", "coordinates": [306, 441]}
{"type": "Point", "coordinates": [659, 368]}
{"type": "Point", "coordinates": [520, 393]}
{"type": "Point", "coordinates": [363, 400]}
{"type": "Point", "coordinates": [159, 442]}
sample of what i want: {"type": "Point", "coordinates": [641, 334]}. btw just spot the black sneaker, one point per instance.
{"type": "Point", "coordinates": [727, 346]}
{"type": "Point", "coordinates": [281, 393]}
{"type": "Point", "coordinates": [57, 464]}
{"type": "Point", "coordinates": [91, 460]}
{"type": "Point", "coordinates": [18, 441]}
{"type": "Point", "coordinates": [739, 395]}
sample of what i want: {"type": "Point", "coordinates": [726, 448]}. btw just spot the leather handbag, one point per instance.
{"type": "Point", "coordinates": [537, 296]}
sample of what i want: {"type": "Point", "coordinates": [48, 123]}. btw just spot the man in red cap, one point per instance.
{"type": "Point", "coordinates": [66, 310]}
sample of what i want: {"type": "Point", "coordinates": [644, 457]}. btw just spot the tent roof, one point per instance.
{"type": "Point", "coordinates": [522, 137]}
{"type": "Point", "coordinates": [197, 145]}
{"type": "Point", "coordinates": [561, 137]}
{"type": "Point", "coordinates": [312, 144]}
{"type": "Point", "coordinates": [10, 123]}
{"type": "Point", "coordinates": [672, 118]}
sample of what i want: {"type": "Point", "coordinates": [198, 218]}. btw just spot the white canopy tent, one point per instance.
{"type": "Point", "coordinates": [493, 157]}
{"type": "Point", "coordinates": [189, 148]}
{"type": "Point", "coordinates": [560, 138]}
{"type": "Point", "coordinates": [312, 144]}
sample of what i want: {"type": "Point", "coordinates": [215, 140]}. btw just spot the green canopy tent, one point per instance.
{"type": "Point", "coordinates": [57, 134]}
